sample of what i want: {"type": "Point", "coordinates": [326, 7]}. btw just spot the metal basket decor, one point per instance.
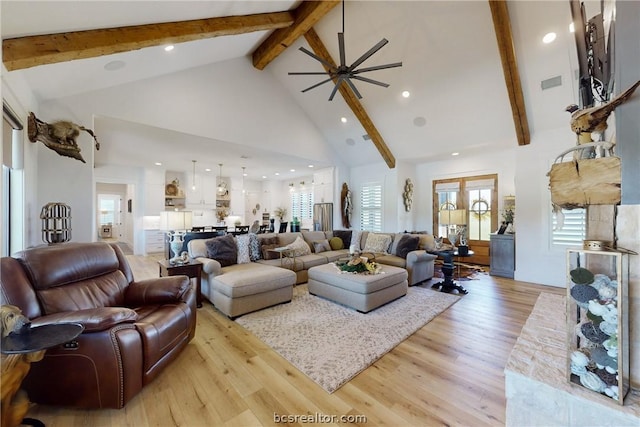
{"type": "Point", "coordinates": [56, 223]}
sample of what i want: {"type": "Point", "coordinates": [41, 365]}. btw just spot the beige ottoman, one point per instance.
{"type": "Point", "coordinates": [243, 288]}
{"type": "Point", "coordinates": [364, 292]}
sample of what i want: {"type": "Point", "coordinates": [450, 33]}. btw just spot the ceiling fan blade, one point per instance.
{"type": "Point", "coordinates": [341, 48]}
{"type": "Point", "coordinates": [353, 88]}
{"type": "Point", "coordinates": [317, 58]}
{"type": "Point", "coordinates": [368, 54]}
{"type": "Point", "coordinates": [317, 84]}
{"type": "Point", "coordinates": [377, 67]}
{"type": "Point", "coordinates": [375, 82]}
{"type": "Point", "coordinates": [308, 73]}
{"type": "Point", "coordinates": [335, 88]}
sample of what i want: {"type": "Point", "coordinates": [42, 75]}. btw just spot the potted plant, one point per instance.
{"type": "Point", "coordinates": [280, 213]}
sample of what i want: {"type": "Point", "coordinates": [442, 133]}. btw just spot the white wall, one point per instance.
{"type": "Point", "coordinates": [536, 260]}
{"type": "Point", "coordinates": [380, 173]}
{"type": "Point", "coordinates": [251, 113]}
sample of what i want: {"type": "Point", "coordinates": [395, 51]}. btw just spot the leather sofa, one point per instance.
{"type": "Point", "coordinates": [133, 329]}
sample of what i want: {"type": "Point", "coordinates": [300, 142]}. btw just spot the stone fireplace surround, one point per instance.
{"type": "Point", "coordinates": [536, 385]}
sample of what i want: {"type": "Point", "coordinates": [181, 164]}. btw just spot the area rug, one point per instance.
{"type": "Point", "coordinates": [331, 343]}
{"type": "Point", "coordinates": [462, 271]}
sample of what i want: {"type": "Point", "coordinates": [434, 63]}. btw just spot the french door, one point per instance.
{"type": "Point", "coordinates": [473, 201]}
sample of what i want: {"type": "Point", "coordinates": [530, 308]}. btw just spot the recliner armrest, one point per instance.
{"type": "Point", "coordinates": [93, 319]}
{"type": "Point", "coordinates": [160, 290]}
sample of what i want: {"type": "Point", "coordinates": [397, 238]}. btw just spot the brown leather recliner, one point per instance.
{"type": "Point", "coordinates": [133, 329]}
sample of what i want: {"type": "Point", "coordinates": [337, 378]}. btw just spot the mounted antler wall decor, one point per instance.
{"type": "Point", "coordinates": [59, 136]}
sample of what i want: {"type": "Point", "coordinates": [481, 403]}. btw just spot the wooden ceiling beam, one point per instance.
{"type": "Point", "coordinates": [502, 26]}
{"type": "Point", "coordinates": [306, 16]}
{"type": "Point", "coordinates": [352, 101]}
{"type": "Point", "coordinates": [25, 52]}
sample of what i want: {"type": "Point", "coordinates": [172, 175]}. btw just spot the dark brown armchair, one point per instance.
{"type": "Point", "coordinates": [133, 329]}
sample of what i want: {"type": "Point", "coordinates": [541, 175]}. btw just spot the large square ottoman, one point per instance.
{"type": "Point", "coordinates": [243, 288]}
{"type": "Point", "coordinates": [363, 292]}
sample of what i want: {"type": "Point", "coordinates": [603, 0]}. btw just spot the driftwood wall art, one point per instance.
{"type": "Point", "coordinates": [346, 205]}
{"type": "Point", "coordinates": [59, 136]}
{"type": "Point", "coordinates": [407, 195]}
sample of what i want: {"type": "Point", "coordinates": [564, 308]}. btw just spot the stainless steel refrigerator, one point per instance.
{"type": "Point", "coordinates": [323, 216]}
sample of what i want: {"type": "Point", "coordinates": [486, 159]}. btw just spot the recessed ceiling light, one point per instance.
{"type": "Point", "coordinates": [277, 173]}
{"type": "Point", "coordinates": [158, 164]}
{"type": "Point", "coordinates": [264, 177]}
{"type": "Point", "coordinates": [310, 166]}
{"type": "Point", "coordinates": [572, 28]}
{"type": "Point", "coordinates": [548, 38]}
{"type": "Point", "coordinates": [419, 121]}
{"type": "Point", "coordinates": [169, 48]}
{"type": "Point", "coordinates": [406, 94]}
{"type": "Point", "coordinates": [244, 174]}
{"type": "Point", "coordinates": [455, 154]}
{"type": "Point", "coordinates": [208, 170]}
{"type": "Point", "coordinates": [114, 65]}
{"type": "Point", "coordinates": [343, 119]}
{"type": "Point", "coordinates": [292, 170]}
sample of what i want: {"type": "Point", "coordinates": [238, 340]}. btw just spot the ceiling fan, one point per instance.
{"type": "Point", "coordinates": [344, 73]}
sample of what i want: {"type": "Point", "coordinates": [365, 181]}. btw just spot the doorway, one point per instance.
{"type": "Point", "coordinates": [114, 216]}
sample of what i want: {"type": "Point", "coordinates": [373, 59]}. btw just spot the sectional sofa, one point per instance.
{"type": "Point", "coordinates": [267, 278]}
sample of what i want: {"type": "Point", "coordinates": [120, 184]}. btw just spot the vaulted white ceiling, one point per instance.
{"type": "Point", "coordinates": [451, 67]}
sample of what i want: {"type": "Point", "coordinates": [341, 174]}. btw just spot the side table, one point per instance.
{"type": "Point", "coordinates": [287, 257]}
{"type": "Point", "coordinates": [18, 351]}
{"type": "Point", "coordinates": [448, 267]}
{"type": "Point", "coordinates": [458, 255]}
{"type": "Point", "coordinates": [192, 269]}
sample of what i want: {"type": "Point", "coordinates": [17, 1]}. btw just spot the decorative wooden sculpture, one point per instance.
{"type": "Point", "coordinates": [346, 206]}
{"type": "Point", "coordinates": [59, 136]}
{"type": "Point", "coordinates": [594, 119]}
{"type": "Point", "coordinates": [15, 367]}
{"type": "Point", "coordinates": [407, 196]}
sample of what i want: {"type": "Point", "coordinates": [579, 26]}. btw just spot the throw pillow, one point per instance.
{"type": "Point", "coordinates": [377, 243]}
{"type": "Point", "coordinates": [354, 246]}
{"type": "Point", "coordinates": [336, 243]}
{"type": "Point", "coordinates": [427, 242]}
{"type": "Point", "coordinates": [407, 244]}
{"type": "Point", "coordinates": [321, 246]}
{"type": "Point", "coordinates": [269, 243]}
{"type": "Point", "coordinates": [344, 235]}
{"type": "Point", "coordinates": [242, 241]}
{"type": "Point", "coordinates": [299, 247]}
{"type": "Point", "coordinates": [254, 248]}
{"type": "Point", "coordinates": [223, 249]}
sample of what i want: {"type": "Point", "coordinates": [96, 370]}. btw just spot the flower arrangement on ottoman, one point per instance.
{"type": "Point", "coordinates": [359, 264]}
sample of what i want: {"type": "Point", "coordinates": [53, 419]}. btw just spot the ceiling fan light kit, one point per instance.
{"type": "Point", "coordinates": [343, 73]}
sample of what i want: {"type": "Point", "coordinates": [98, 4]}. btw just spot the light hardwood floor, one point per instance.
{"type": "Point", "coordinates": [450, 372]}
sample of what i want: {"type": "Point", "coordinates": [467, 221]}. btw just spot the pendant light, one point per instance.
{"type": "Point", "coordinates": [243, 175]}
{"type": "Point", "coordinates": [193, 182]}
{"type": "Point", "coordinates": [220, 186]}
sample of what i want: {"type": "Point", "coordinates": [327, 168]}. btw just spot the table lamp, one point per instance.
{"type": "Point", "coordinates": [454, 218]}
{"type": "Point", "coordinates": [175, 223]}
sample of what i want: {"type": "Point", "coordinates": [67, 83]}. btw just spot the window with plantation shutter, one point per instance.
{"type": "Point", "coordinates": [302, 204]}
{"type": "Point", "coordinates": [371, 207]}
{"type": "Point", "coordinates": [572, 231]}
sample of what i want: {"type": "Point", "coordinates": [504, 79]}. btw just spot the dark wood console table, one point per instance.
{"type": "Point", "coordinates": [448, 268]}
